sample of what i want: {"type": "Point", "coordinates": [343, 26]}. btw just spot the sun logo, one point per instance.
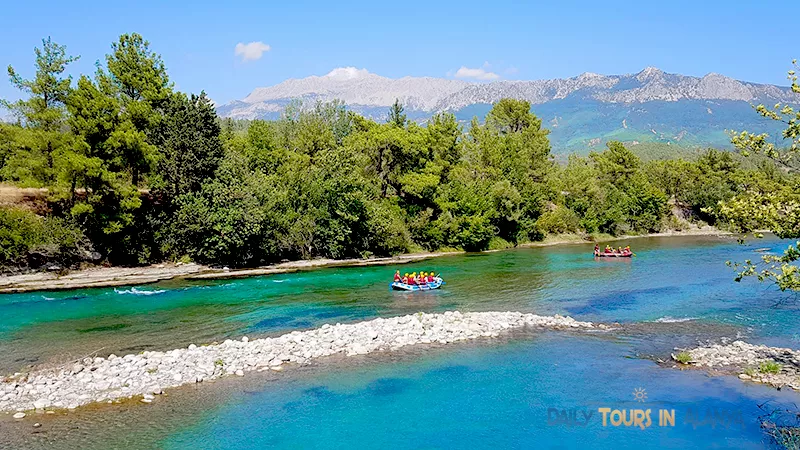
{"type": "Point", "coordinates": [639, 394]}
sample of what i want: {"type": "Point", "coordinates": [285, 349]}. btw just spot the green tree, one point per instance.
{"type": "Point", "coordinates": [189, 145]}
{"type": "Point", "coordinates": [48, 90]}
{"type": "Point", "coordinates": [779, 209]}
{"type": "Point", "coordinates": [397, 116]}
{"type": "Point", "coordinates": [41, 117]}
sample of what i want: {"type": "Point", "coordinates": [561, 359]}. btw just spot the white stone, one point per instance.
{"type": "Point", "coordinates": [19, 415]}
{"type": "Point", "coordinates": [114, 378]}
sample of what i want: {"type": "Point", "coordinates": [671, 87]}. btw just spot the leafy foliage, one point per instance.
{"type": "Point", "coordinates": [142, 173]}
{"type": "Point", "coordinates": [768, 201]}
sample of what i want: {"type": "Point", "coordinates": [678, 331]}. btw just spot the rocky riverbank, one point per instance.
{"type": "Point", "coordinates": [147, 374]}
{"type": "Point", "coordinates": [774, 366]}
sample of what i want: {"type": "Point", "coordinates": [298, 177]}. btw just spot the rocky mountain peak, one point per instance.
{"type": "Point", "coordinates": [649, 74]}
{"type": "Point", "coordinates": [347, 73]}
{"type": "Point", "coordinates": [362, 90]}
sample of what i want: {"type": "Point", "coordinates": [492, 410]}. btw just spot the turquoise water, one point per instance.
{"type": "Point", "coordinates": [672, 278]}
{"type": "Point", "coordinates": [510, 396]}
{"type": "Point", "coordinates": [498, 394]}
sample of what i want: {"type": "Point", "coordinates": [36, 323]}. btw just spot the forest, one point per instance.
{"type": "Point", "coordinates": [131, 171]}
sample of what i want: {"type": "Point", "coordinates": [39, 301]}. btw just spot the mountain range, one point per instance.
{"type": "Point", "coordinates": [582, 112]}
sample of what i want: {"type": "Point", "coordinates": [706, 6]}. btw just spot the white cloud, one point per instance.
{"type": "Point", "coordinates": [251, 51]}
{"type": "Point", "coordinates": [480, 73]}
{"type": "Point", "coordinates": [347, 73]}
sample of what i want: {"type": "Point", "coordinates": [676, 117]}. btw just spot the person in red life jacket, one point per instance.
{"type": "Point", "coordinates": [397, 276]}
{"type": "Point", "coordinates": [596, 248]}
{"type": "Point", "coordinates": [405, 279]}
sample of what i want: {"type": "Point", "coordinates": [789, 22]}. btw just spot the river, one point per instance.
{"type": "Point", "coordinates": [530, 389]}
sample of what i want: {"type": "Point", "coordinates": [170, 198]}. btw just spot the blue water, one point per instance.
{"type": "Point", "coordinates": [507, 396]}
{"type": "Point", "coordinates": [671, 278]}
{"type": "Point", "coordinates": [496, 395]}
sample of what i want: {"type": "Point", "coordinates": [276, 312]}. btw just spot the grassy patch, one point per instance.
{"type": "Point", "coordinates": [769, 367]}
{"type": "Point", "coordinates": [683, 357]}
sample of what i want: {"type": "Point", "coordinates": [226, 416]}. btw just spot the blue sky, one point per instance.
{"type": "Point", "coordinates": [513, 40]}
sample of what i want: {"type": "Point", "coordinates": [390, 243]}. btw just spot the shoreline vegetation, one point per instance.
{"type": "Point", "coordinates": [99, 277]}
{"type": "Point", "coordinates": [145, 375]}
{"type": "Point", "coordinates": [121, 169]}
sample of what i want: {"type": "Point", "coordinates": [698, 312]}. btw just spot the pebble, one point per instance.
{"type": "Point", "coordinates": [37, 425]}
{"type": "Point", "coordinates": [19, 415]}
{"type": "Point", "coordinates": [148, 373]}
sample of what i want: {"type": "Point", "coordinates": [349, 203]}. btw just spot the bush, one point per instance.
{"type": "Point", "coordinates": [31, 241]}
{"type": "Point", "coordinates": [387, 231]}
{"type": "Point", "coordinates": [561, 220]}
{"type": "Point", "coordinates": [683, 357]}
{"type": "Point", "coordinates": [769, 367]}
{"type": "Point", "coordinates": [474, 233]}
{"type": "Point", "coordinates": [498, 243]}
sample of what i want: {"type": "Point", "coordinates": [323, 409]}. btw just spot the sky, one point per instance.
{"type": "Point", "coordinates": [229, 48]}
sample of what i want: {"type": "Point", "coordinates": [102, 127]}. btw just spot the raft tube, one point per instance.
{"type": "Point", "coordinates": [613, 255]}
{"type": "Point", "coordinates": [398, 286]}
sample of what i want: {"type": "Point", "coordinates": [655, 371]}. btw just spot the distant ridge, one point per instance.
{"type": "Point", "coordinates": [582, 112]}
{"type": "Point", "coordinates": [362, 89]}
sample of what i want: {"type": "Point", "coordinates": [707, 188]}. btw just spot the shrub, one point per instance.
{"type": "Point", "coordinates": [683, 357]}
{"type": "Point", "coordinates": [769, 367]}
{"type": "Point", "coordinates": [31, 241]}
{"type": "Point", "coordinates": [498, 243]}
{"type": "Point", "coordinates": [561, 220]}
{"type": "Point", "coordinates": [474, 233]}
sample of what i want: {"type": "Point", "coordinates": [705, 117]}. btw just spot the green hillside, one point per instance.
{"type": "Point", "coordinates": [580, 125]}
